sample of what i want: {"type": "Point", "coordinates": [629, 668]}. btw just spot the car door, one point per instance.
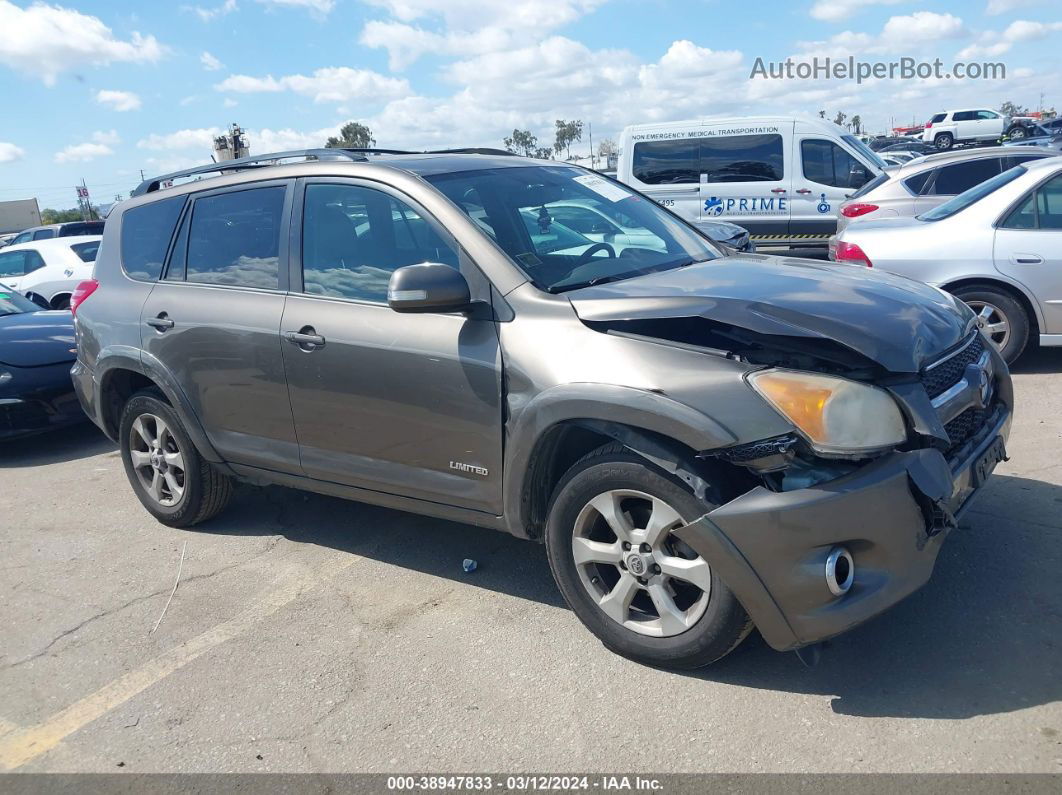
{"type": "Point", "coordinates": [989, 125]}
{"type": "Point", "coordinates": [828, 175]}
{"type": "Point", "coordinates": [213, 321]}
{"type": "Point", "coordinates": [746, 179]}
{"type": "Point", "coordinates": [408, 404]}
{"type": "Point", "coordinates": [15, 266]}
{"type": "Point", "coordinates": [1028, 248]}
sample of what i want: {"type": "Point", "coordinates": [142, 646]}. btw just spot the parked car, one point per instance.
{"type": "Point", "coordinates": [998, 247]}
{"type": "Point", "coordinates": [781, 178]}
{"type": "Point", "coordinates": [1037, 135]}
{"type": "Point", "coordinates": [923, 184]}
{"type": "Point", "coordinates": [886, 141]}
{"type": "Point", "coordinates": [689, 432]}
{"type": "Point", "coordinates": [1033, 127]}
{"type": "Point", "coordinates": [50, 269]}
{"type": "Point", "coordinates": [911, 147]}
{"type": "Point", "coordinates": [978, 125]}
{"type": "Point", "coordinates": [5, 240]}
{"type": "Point", "coordinates": [36, 352]}
{"type": "Point", "coordinates": [68, 229]}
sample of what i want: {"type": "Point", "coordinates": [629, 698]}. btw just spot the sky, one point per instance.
{"type": "Point", "coordinates": [100, 89]}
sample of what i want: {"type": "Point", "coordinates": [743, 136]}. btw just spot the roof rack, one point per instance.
{"type": "Point", "coordinates": [261, 161]}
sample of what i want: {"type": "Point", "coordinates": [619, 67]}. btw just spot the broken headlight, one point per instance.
{"type": "Point", "coordinates": [836, 416]}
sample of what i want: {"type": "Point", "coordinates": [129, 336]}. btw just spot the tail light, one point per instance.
{"type": "Point", "coordinates": [850, 252]}
{"type": "Point", "coordinates": [929, 124]}
{"type": "Point", "coordinates": [82, 292]}
{"type": "Point", "coordinates": [857, 209]}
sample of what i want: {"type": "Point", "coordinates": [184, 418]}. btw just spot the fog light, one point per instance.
{"type": "Point", "coordinates": [840, 571]}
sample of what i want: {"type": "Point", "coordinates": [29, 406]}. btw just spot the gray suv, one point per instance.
{"type": "Point", "coordinates": [706, 442]}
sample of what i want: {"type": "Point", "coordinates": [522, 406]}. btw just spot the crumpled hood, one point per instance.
{"type": "Point", "coordinates": [33, 339]}
{"type": "Point", "coordinates": [897, 322]}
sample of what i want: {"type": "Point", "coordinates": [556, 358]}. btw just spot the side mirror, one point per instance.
{"type": "Point", "coordinates": [429, 287]}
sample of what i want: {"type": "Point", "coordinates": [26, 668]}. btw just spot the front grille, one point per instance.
{"type": "Point", "coordinates": [938, 378]}
{"type": "Point", "coordinates": [965, 426]}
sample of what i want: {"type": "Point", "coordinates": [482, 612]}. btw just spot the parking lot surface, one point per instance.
{"type": "Point", "coordinates": [313, 634]}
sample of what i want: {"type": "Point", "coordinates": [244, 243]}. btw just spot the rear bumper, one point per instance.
{"type": "Point", "coordinates": [87, 391]}
{"type": "Point", "coordinates": [892, 515]}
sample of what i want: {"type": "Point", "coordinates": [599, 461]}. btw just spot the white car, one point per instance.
{"type": "Point", "coordinates": [49, 269]}
{"type": "Point", "coordinates": [976, 125]}
{"type": "Point", "coordinates": [998, 247]}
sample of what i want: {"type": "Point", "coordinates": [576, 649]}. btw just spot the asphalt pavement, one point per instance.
{"type": "Point", "coordinates": [313, 634]}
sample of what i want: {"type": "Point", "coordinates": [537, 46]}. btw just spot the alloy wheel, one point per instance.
{"type": "Point", "coordinates": [637, 572]}
{"type": "Point", "coordinates": [157, 460]}
{"type": "Point", "coordinates": [993, 321]}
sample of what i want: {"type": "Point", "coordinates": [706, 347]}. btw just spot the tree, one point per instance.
{"type": "Point", "coordinates": [568, 132]}
{"type": "Point", "coordinates": [522, 142]}
{"type": "Point", "coordinates": [839, 118]}
{"type": "Point", "coordinates": [49, 216]}
{"type": "Point", "coordinates": [857, 124]}
{"type": "Point", "coordinates": [607, 148]}
{"type": "Point", "coordinates": [1009, 108]}
{"type": "Point", "coordinates": [352, 135]}
{"type": "Point", "coordinates": [543, 153]}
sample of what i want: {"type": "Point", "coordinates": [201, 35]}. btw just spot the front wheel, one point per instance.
{"type": "Point", "coordinates": [1001, 318]}
{"type": "Point", "coordinates": [645, 593]}
{"type": "Point", "coordinates": [170, 478]}
{"type": "Point", "coordinates": [1016, 133]}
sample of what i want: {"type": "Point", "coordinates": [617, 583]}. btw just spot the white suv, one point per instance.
{"type": "Point", "coordinates": [952, 127]}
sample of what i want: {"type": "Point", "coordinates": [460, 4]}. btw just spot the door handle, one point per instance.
{"type": "Point", "coordinates": [777, 190]}
{"type": "Point", "coordinates": [803, 191]}
{"type": "Point", "coordinates": [306, 338]}
{"type": "Point", "coordinates": [160, 323]}
{"type": "Point", "coordinates": [1027, 259]}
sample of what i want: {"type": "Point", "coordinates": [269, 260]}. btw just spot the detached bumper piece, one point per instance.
{"type": "Point", "coordinates": [892, 515]}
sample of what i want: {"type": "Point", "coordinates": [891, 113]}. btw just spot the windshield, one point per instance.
{"type": "Point", "coordinates": [973, 195]}
{"type": "Point", "coordinates": [11, 303]}
{"type": "Point", "coordinates": [864, 150]}
{"type": "Point", "coordinates": [522, 210]}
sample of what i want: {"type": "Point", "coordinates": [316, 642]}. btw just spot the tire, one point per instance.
{"type": "Point", "coordinates": [994, 305]}
{"type": "Point", "coordinates": [944, 142]}
{"type": "Point", "coordinates": [1016, 132]}
{"type": "Point", "coordinates": [193, 491]}
{"type": "Point", "coordinates": [61, 302]}
{"type": "Point", "coordinates": [714, 622]}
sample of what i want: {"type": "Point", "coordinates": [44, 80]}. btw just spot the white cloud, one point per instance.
{"type": "Point", "coordinates": [209, 14]}
{"type": "Point", "coordinates": [99, 146]}
{"type": "Point", "coordinates": [900, 35]}
{"type": "Point", "coordinates": [10, 153]}
{"type": "Point", "coordinates": [991, 44]}
{"type": "Point", "coordinates": [120, 101]}
{"type": "Point", "coordinates": [201, 138]}
{"type": "Point", "coordinates": [210, 63]}
{"type": "Point", "coordinates": [321, 7]}
{"type": "Point", "coordinates": [838, 10]}
{"type": "Point", "coordinates": [466, 27]}
{"type": "Point", "coordinates": [997, 7]}
{"type": "Point", "coordinates": [331, 84]}
{"type": "Point", "coordinates": [47, 40]}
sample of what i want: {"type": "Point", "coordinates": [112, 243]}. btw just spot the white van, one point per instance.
{"type": "Point", "coordinates": [781, 178]}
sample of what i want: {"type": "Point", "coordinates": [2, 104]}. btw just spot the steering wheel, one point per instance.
{"type": "Point", "coordinates": [585, 258]}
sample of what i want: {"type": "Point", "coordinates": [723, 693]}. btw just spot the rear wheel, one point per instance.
{"type": "Point", "coordinates": [61, 302]}
{"type": "Point", "coordinates": [1016, 133]}
{"type": "Point", "coordinates": [944, 141]}
{"type": "Point", "coordinates": [644, 592]}
{"type": "Point", "coordinates": [1001, 318]}
{"type": "Point", "coordinates": [170, 478]}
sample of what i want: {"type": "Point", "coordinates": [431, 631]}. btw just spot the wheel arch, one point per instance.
{"type": "Point", "coordinates": [568, 424]}
{"type": "Point", "coordinates": [122, 375]}
{"type": "Point", "coordinates": [1015, 291]}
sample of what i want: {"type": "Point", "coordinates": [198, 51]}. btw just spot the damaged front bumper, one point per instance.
{"type": "Point", "coordinates": [892, 515]}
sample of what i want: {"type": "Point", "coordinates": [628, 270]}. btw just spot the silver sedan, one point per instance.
{"type": "Point", "coordinates": [998, 247]}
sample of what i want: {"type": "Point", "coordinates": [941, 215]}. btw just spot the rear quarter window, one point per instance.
{"type": "Point", "coordinates": [917, 182]}
{"type": "Point", "coordinates": [86, 251]}
{"type": "Point", "coordinates": [146, 234]}
{"type": "Point", "coordinates": [939, 117]}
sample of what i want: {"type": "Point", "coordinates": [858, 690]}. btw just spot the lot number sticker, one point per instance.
{"type": "Point", "coordinates": [602, 187]}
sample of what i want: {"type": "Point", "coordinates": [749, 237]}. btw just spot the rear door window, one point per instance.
{"type": "Point", "coordinates": [958, 177]}
{"type": "Point", "coordinates": [86, 251]}
{"type": "Point", "coordinates": [44, 234]}
{"type": "Point", "coordinates": [234, 238]}
{"type": "Point", "coordinates": [963, 115]}
{"type": "Point", "coordinates": [146, 234]}
{"type": "Point", "coordinates": [667, 162]}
